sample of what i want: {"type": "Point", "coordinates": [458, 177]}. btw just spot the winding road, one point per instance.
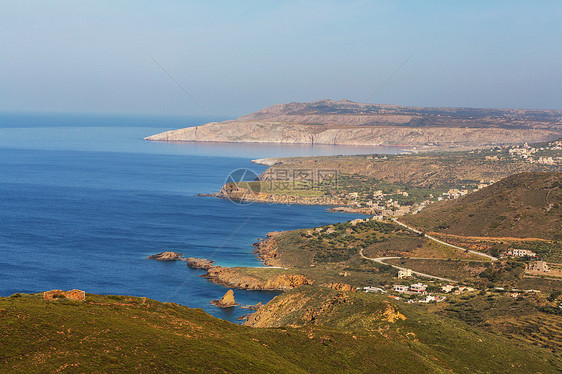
{"type": "Point", "coordinates": [381, 260]}
{"type": "Point", "coordinates": [492, 258]}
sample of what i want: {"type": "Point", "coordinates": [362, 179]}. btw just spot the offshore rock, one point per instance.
{"type": "Point", "coordinates": [199, 263]}
{"type": "Point", "coordinates": [166, 256]}
{"type": "Point", "coordinates": [227, 300]}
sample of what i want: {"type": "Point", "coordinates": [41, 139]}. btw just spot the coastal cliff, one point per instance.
{"type": "Point", "coordinates": [266, 249]}
{"type": "Point", "coordinates": [348, 123]}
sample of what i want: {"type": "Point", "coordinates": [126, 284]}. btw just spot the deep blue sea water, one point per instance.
{"type": "Point", "coordinates": [84, 200]}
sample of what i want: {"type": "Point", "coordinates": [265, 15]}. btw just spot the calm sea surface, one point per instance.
{"type": "Point", "coordinates": [84, 200]}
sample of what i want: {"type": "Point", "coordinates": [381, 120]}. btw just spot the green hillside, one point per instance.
{"type": "Point", "coordinates": [526, 205]}
{"type": "Point", "coordinates": [126, 334]}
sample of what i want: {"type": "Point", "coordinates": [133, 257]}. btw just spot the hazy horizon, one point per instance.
{"type": "Point", "coordinates": [237, 58]}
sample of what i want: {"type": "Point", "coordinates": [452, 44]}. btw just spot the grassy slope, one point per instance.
{"type": "Point", "coordinates": [445, 340]}
{"type": "Point", "coordinates": [128, 335]}
{"type": "Point", "coordinates": [101, 335]}
{"type": "Point", "coordinates": [527, 205]}
{"type": "Point", "coordinates": [426, 170]}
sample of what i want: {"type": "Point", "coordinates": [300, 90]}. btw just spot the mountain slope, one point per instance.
{"type": "Point", "coordinates": [127, 334]}
{"type": "Point", "coordinates": [347, 123]}
{"type": "Point", "coordinates": [526, 205]}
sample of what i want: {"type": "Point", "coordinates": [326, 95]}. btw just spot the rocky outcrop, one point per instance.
{"type": "Point", "coordinates": [322, 306]}
{"type": "Point", "coordinates": [339, 286]}
{"type": "Point", "coordinates": [199, 263]}
{"type": "Point", "coordinates": [253, 307]}
{"type": "Point", "coordinates": [166, 256]}
{"type": "Point", "coordinates": [267, 161]}
{"type": "Point", "coordinates": [236, 278]}
{"type": "Point", "coordinates": [391, 313]}
{"type": "Point", "coordinates": [76, 295]}
{"type": "Point", "coordinates": [227, 301]}
{"type": "Point", "coordinates": [297, 309]}
{"type": "Point", "coordinates": [348, 123]}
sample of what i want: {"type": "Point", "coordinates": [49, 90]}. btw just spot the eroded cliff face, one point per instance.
{"type": "Point", "coordinates": [348, 123]}
{"type": "Point", "coordinates": [291, 133]}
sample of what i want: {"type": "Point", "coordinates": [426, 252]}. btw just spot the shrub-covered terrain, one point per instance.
{"type": "Point", "coordinates": [127, 334]}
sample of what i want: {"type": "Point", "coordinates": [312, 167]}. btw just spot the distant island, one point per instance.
{"type": "Point", "coordinates": [349, 123]}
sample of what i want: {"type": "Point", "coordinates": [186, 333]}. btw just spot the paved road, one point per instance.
{"type": "Point", "coordinates": [492, 258]}
{"type": "Point", "coordinates": [381, 260]}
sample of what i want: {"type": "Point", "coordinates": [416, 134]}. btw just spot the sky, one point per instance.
{"type": "Point", "coordinates": [236, 57]}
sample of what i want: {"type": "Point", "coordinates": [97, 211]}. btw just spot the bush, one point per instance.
{"type": "Point", "coordinates": [554, 295]}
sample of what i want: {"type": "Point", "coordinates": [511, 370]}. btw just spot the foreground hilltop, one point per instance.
{"type": "Point", "coordinates": [348, 123]}
{"type": "Point", "coordinates": [129, 334]}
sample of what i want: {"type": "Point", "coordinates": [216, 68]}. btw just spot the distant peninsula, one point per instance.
{"type": "Point", "coordinates": [345, 122]}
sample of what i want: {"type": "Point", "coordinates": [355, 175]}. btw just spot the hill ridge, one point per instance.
{"type": "Point", "coordinates": [348, 123]}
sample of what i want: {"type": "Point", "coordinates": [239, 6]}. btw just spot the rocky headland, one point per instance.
{"type": "Point", "coordinates": [240, 194]}
{"type": "Point", "coordinates": [349, 123]}
{"type": "Point", "coordinates": [239, 278]}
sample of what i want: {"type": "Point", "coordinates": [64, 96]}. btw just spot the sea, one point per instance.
{"type": "Point", "coordinates": [84, 200]}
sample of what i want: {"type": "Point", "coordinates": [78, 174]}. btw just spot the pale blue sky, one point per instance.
{"type": "Point", "coordinates": [236, 57]}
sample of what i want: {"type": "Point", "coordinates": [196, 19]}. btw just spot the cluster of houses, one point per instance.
{"type": "Point", "coordinates": [453, 193]}
{"type": "Point", "coordinates": [418, 289]}
{"type": "Point", "coordinates": [548, 160]}
{"type": "Point", "coordinates": [523, 151]}
{"type": "Point", "coordinates": [526, 152]}
{"type": "Point", "coordinates": [536, 267]}
{"type": "Point", "coordinates": [414, 289]}
{"type": "Point", "coordinates": [384, 208]}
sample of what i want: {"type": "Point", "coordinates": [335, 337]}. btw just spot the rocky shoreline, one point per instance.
{"type": "Point", "coordinates": [266, 249]}
{"type": "Point", "coordinates": [237, 277]}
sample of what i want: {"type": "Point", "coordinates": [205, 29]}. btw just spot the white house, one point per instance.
{"type": "Point", "coordinates": [404, 273]}
{"type": "Point", "coordinates": [418, 288]}
{"type": "Point", "coordinates": [521, 253]}
{"type": "Point", "coordinates": [400, 288]}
